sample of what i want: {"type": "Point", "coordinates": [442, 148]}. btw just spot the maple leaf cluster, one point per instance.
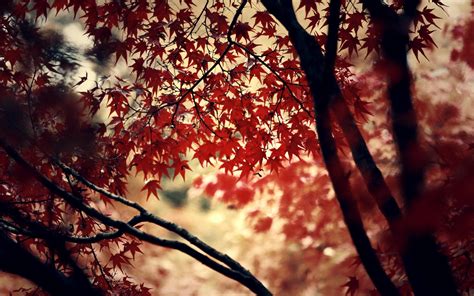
{"type": "Point", "coordinates": [216, 81]}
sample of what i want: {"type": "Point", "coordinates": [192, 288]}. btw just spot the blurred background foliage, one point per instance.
{"type": "Point", "coordinates": [289, 259]}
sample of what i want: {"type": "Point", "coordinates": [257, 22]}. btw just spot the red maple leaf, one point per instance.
{"type": "Point", "coordinates": [152, 187]}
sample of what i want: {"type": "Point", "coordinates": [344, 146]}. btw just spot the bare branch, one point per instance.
{"type": "Point", "coordinates": [241, 275]}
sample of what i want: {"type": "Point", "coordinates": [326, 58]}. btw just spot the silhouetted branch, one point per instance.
{"type": "Point", "coordinates": [146, 216]}
{"type": "Point", "coordinates": [427, 268]}
{"type": "Point", "coordinates": [242, 276]}
{"type": "Point", "coordinates": [312, 61]}
{"type": "Point", "coordinates": [214, 65]}
{"type": "Point", "coordinates": [285, 83]}
{"type": "Point", "coordinates": [16, 260]}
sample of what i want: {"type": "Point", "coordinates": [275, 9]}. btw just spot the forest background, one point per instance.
{"type": "Point", "coordinates": [302, 248]}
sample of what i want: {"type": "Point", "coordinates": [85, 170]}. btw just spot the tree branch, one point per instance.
{"type": "Point", "coordinates": [361, 155]}
{"type": "Point", "coordinates": [146, 216]}
{"type": "Point", "coordinates": [245, 278]}
{"type": "Point", "coordinates": [427, 268]}
{"type": "Point", "coordinates": [16, 260]}
{"type": "Point", "coordinates": [312, 60]}
{"type": "Point", "coordinates": [214, 65]}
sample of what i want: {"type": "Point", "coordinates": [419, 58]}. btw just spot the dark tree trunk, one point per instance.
{"type": "Point", "coordinates": [427, 268]}
{"type": "Point", "coordinates": [311, 61]}
{"type": "Point", "coordinates": [16, 260]}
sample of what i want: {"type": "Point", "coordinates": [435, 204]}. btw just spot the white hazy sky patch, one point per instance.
{"type": "Point", "coordinates": [74, 33]}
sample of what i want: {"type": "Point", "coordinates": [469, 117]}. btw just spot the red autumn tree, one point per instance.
{"type": "Point", "coordinates": [256, 88]}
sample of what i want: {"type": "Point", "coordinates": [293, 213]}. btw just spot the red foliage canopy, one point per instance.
{"type": "Point", "coordinates": [221, 82]}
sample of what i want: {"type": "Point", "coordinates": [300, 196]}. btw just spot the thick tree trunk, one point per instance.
{"type": "Point", "coordinates": [364, 161]}
{"type": "Point", "coordinates": [427, 268]}
{"type": "Point", "coordinates": [311, 61]}
{"type": "Point", "coordinates": [14, 259]}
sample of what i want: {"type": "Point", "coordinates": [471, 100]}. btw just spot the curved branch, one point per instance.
{"type": "Point", "coordinates": [361, 155]}
{"type": "Point", "coordinates": [312, 61]}
{"type": "Point", "coordinates": [216, 63]}
{"type": "Point", "coordinates": [146, 216]}
{"type": "Point", "coordinates": [245, 278]}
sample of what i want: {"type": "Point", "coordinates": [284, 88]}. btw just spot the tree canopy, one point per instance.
{"type": "Point", "coordinates": [310, 103]}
